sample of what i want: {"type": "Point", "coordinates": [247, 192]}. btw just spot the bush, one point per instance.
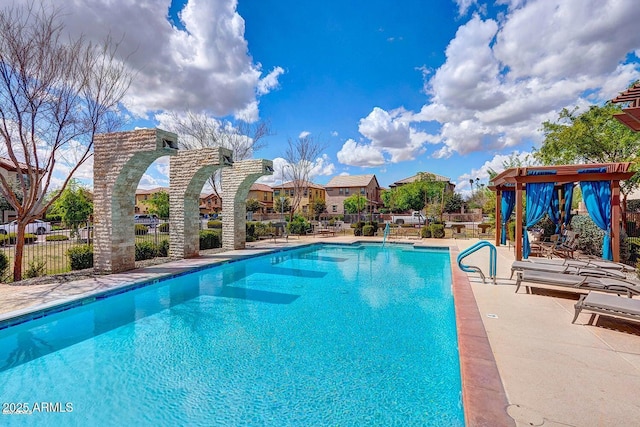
{"type": "Point", "coordinates": [141, 229]}
{"type": "Point", "coordinates": [437, 231]}
{"type": "Point", "coordinates": [162, 250]}
{"type": "Point", "coordinates": [298, 225]}
{"type": "Point", "coordinates": [164, 227]}
{"type": "Point", "coordinates": [145, 250]}
{"type": "Point", "coordinates": [4, 240]}
{"type": "Point", "coordinates": [590, 237]}
{"type": "Point", "coordinates": [214, 224]}
{"type": "Point", "coordinates": [357, 228]}
{"type": "Point", "coordinates": [4, 265]}
{"type": "Point", "coordinates": [375, 226]}
{"type": "Point", "coordinates": [368, 230]}
{"type": "Point", "coordinates": [36, 268]}
{"type": "Point", "coordinates": [511, 231]}
{"type": "Point", "coordinates": [210, 239]}
{"type": "Point", "coordinates": [56, 237]}
{"type": "Point", "coordinates": [425, 232]}
{"type": "Point", "coordinates": [80, 257]}
{"type": "Point", "coordinates": [28, 238]}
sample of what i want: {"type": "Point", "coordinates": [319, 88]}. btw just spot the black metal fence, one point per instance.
{"type": "Point", "coordinates": [47, 252]}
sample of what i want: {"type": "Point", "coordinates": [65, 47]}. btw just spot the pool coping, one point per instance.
{"type": "Point", "coordinates": [484, 398]}
{"type": "Point", "coordinates": [483, 395]}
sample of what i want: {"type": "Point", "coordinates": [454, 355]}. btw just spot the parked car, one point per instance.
{"type": "Point", "coordinates": [145, 219]}
{"type": "Point", "coordinates": [36, 227]}
{"type": "Point", "coordinates": [85, 234]}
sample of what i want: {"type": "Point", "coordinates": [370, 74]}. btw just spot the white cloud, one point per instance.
{"type": "Point", "coordinates": [322, 167]}
{"type": "Point", "coordinates": [355, 154]}
{"type": "Point", "coordinates": [304, 134]}
{"type": "Point", "coordinates": [503, 78]}
{"type": "Point", "coordinates": [497, 164]}
{"type": "Point", "coordinates": [203, 65]}
{"type": "Point", "coordinates": [390, 133]}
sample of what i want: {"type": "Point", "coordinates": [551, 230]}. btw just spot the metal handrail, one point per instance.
{"type": "Point", "coordinates": [474, 269]}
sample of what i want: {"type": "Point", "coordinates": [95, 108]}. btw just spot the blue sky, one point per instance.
{"type": "Point", "coordinates": [390, 87]}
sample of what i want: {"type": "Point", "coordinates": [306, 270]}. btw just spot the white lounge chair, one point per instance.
{"type": "Point", "coordinates": [570, 267]}
{"type": "Point", "coordinates": [575, 283]}
{"type": "Point", "coordinates": [609, 305]}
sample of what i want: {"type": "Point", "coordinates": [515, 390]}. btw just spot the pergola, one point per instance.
{"type": "Point", "coordinates": [629, 116]}
{"type": "Point", "coordinates": [516, 180]}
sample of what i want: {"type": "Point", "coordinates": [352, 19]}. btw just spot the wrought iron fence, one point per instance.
{"type": "Point", "coordinates": [48, 253]}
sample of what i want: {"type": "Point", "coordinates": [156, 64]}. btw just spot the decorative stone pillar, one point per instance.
{"type": "Point", "coordinates": [236, 183]}
{"type": "Point", "coordinates": [120, 160]}
{"type": "Point", "coordinates": [189, 171]}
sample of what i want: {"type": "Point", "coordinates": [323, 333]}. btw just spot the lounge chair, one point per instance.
{"type": "Point", "coordinates": [609, 305]}
{"type": "Point", "coordinates": [566, 247]}
{"type": "Point", "coordinates": [569, 268]}
{"type": "Point", "coordinates": [588, 262]}
{"type": "Point", "coordinates": [576, 283]}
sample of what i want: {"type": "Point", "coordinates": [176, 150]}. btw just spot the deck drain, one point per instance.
{"type": "Point", "coordinates": [492, 316]}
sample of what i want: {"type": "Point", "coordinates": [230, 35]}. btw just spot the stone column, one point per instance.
{"type": "Point", "coordinates": [120, 160]}
{"type": "Point", "coordinates": [236, 182]}
{"type": "Point", "coordinates": [189, 171]}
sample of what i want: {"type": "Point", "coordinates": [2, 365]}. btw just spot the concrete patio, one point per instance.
{"type": "Point", "coordinates": [554, 373]}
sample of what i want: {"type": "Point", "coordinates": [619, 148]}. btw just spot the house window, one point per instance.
{"type": "Point", "coordinates": [346, 191]}
{"type": "Point", "coordinates": [276, 192]}
{"type": "Point", "coordinates": [265, 197]}
{"type": "Point", "coordinates": [362, 191]}
{"type": "Point", "coordinates": [334, 208]}
{"type": "Point", "coordinates": [341, 191]}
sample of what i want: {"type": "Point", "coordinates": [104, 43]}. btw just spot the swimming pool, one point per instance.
{"type": "Point", "coordinates": [323, 335]}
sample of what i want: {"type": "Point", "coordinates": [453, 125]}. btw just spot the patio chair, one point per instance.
{"type": "Point", "coordinates": [566, 247]}
{"type": "Point", "coordinates": [570, 267]}
{"type": "Point", "coordinates": [609, 305]}
{"type": "Point", "coordinates": [570, 282]}
{"type": "Point", "coordinates": [459, 231]}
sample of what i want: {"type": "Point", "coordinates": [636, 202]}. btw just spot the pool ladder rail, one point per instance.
{"type": "Point", "coordinates": [474, 269]}
{"type": "Point", "coordinates": [387, 229]}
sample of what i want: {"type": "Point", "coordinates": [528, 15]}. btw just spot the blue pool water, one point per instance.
{"type": "Point", "coordinates": [323, 335]}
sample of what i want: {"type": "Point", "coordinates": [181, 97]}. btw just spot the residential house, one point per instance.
{"type": "Point", "coordinates": [344, 186]}
{"type": "Point", "coordinates": [210, 203]}
{"type": "Point", "coordinates": [310, 194]}
{"type": "Point", "coordinates": [264, 195]}
{"type": "Point", "coordinates": [142, 207]}
{"type": "Point", "coordinates": [449, 186]}
{"type": "Point", "coordinates": [9, 170]}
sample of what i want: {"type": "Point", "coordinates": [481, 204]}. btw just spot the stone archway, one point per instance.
{"type": "Point", "coordinates": [189, 172]}
{"type": "Point", "coordinates": [236, 183]}
{"type": "Point", "coordinates": [120, 160]}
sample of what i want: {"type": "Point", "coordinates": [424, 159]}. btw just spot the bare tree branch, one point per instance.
{"type": "Point", "coordinates": [301, 155]}
{"type": "Point", "coordinates": [55, 96]}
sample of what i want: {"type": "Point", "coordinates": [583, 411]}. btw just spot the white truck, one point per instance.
{"type": "Point", "coordinates": [415, 218]}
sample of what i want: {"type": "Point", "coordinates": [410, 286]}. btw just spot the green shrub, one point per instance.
{"type": "Point", "coordinates": [437, 231]}
{"type": "Point", "coordinates": [250, 228]}
{"type": "Point", "coordinates": [141, 229]}
{"type": "Point", "coordinates": [511, 231]}
{"type": "Point", "coordinates": [145, 250]}
{"type": "Point", "coordinates": [368, 230]}
{"type": "Point", "coordinates": [80, 257]}
{"type": "Point", "coordinates": [375, 226]}
{"type": "Point", "coordinates": [298, 225]}
{"type": "Point", "coordinates": [425, 232]}
{"type": "Point", "coordinates": [37, 268]}
{"type": "Point", "coordinates": [210, 239]}
{"type": "Point", "coordinates": [57, 228]}
{"type": "Point", "coordinates": [4, 266]}
{"type": "Point", "coordinates": [53, 217]}
{"type": "Point", "coordinates": [162, 250]}
{"type": "Point", "coordinates": [28, 238]}
{"type": "Point", "coordinates": [357, 228]}
{"type": "Point", "coordinates": [56, 237]}
{"type": "Point", "coordinates": [164, 227]}
{"type": "Point", "coordinates": [214, 223]}
{"type": "Point", "coordinates": [4, 240]}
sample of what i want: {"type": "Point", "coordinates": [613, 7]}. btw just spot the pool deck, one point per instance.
{"type": "Point", "coordinates": [551, 372]}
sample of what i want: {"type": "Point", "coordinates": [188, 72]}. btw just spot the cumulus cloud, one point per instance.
{"type": "Point", "coordinates": [355, 154]}
{"type": "Point", "coordinates": [497, 164]}
{"type": "Point", "coordinates": [387, 132]}
{"type": "Point", "coordinates": [322, 166]}
{"type": "Point", "coordinates": [201, 64]}
{"type": "Point", "coordinates": [502, 78]}
{"type": "Point", "coordinates": [304, 134]}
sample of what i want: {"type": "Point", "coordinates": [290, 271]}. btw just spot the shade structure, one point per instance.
{"type": "Point", "coordinates": [516, 179]}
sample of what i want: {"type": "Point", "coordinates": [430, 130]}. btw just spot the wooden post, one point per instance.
{"type": "Point", "coordinates": [518, 233]}
{"type": "Point", "coordinates": [498, 216]}
{"type": "Point", "coordinates": [615, 220]}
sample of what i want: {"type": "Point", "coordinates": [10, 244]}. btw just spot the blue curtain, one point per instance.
{"type": "Point", "coordinates": [597, 198]}
{"type": "Point", "coordinates": [568, 199]}
{"type": "Point", "coordinates": [554, 210]}
{"type": "Point", "coordinates": [506, 207]}
{"type": "Point", "coordinates": [538, 200]}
